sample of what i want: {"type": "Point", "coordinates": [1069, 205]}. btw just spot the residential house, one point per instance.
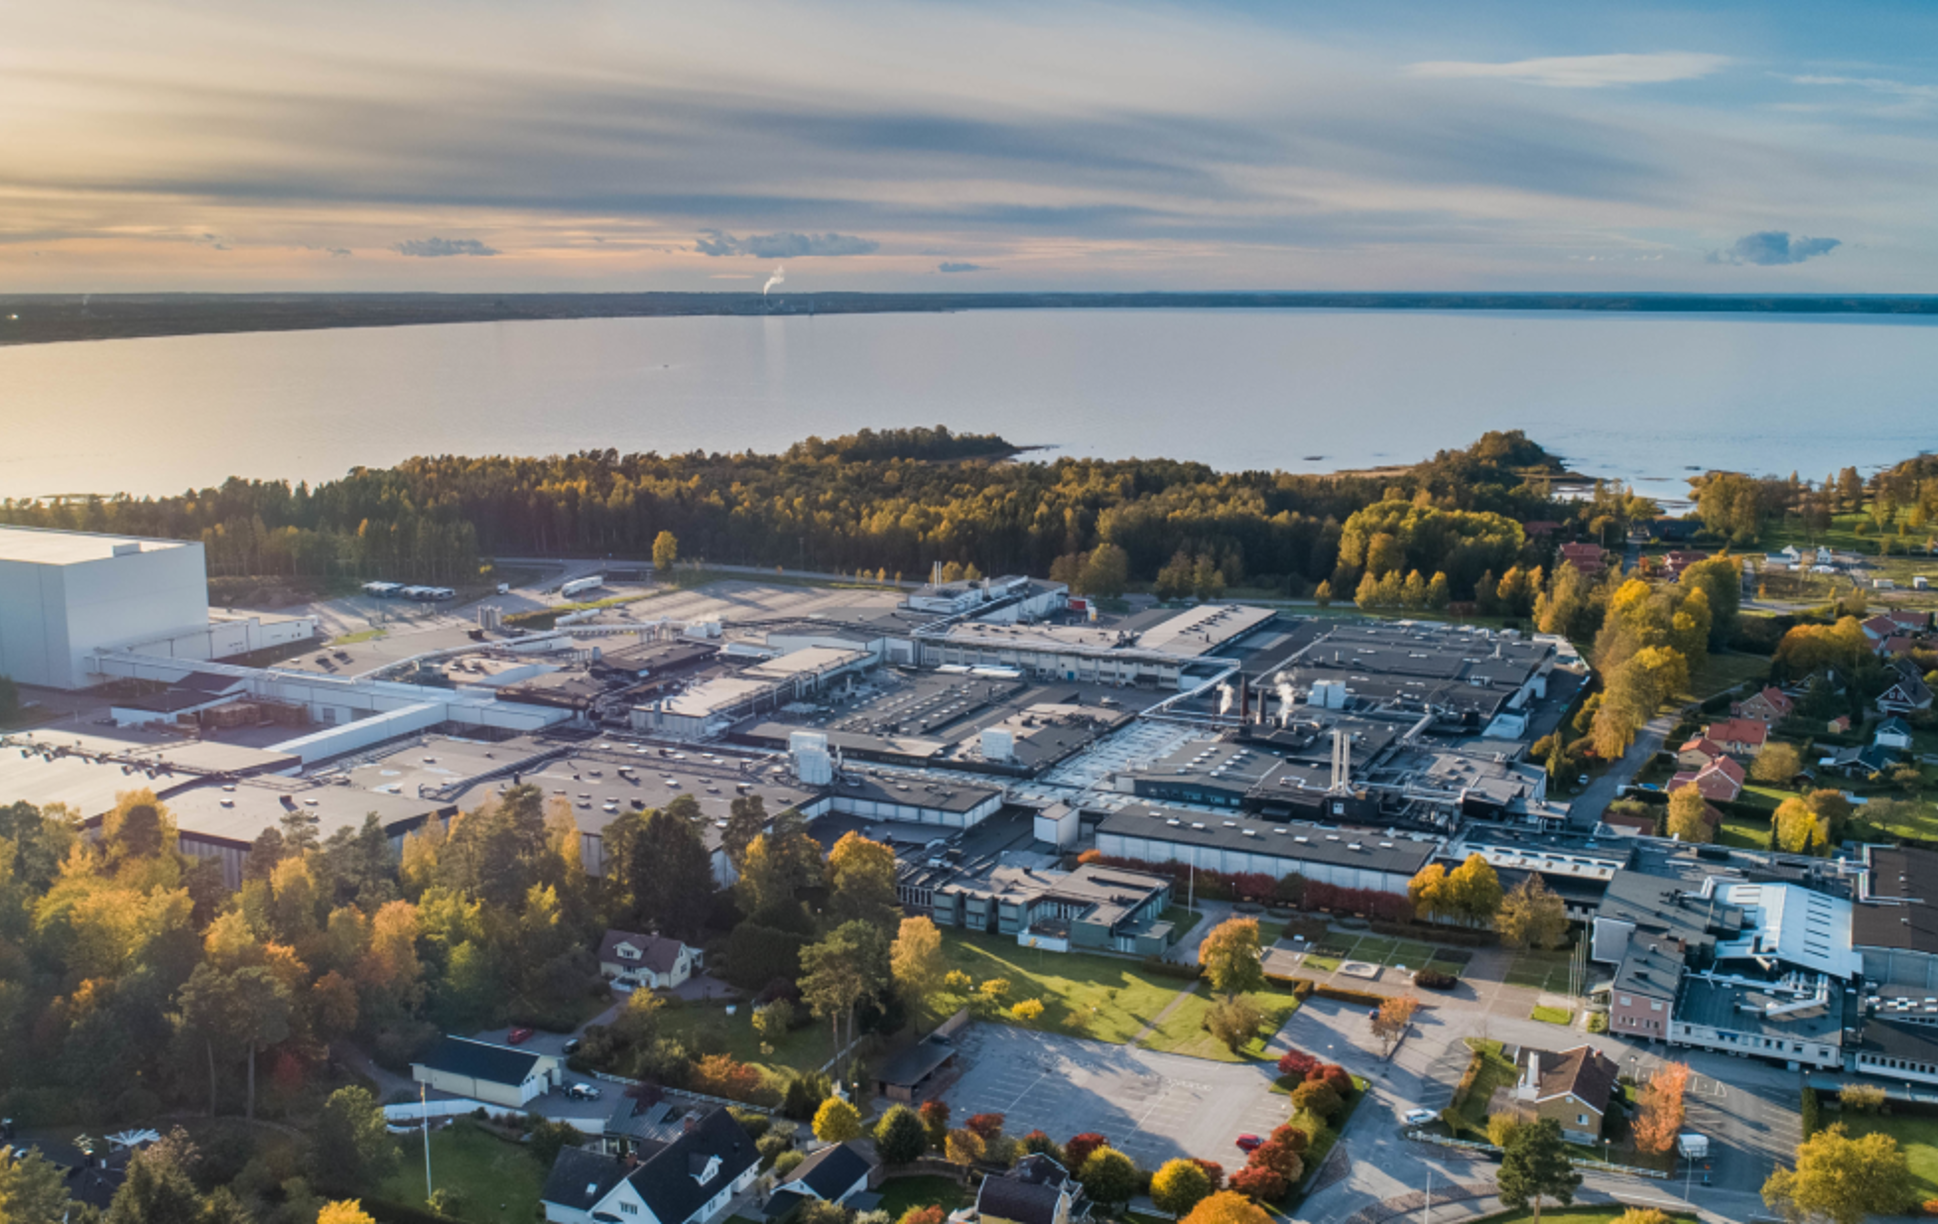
{"type": "Point", "coordinates": [1839, 724]}
{"type": "Point", "coordinates": [1893, 732]}
{"type": "Point", "coordinates": [1859, 762]}
{"type": "Point", "coordinates": [1739, 736]}
{"type": "Point", "coordinates": [1037, 1190]}
{"type": "Point", "coordinates": [688, 1181]}
{"type": "Point", "coordinates": [1699, 752]}
{"type": "Point", "coordinates": [1909, 620]}
{"type": "Point", "coordinates": [1878, 628]}
{"type": "Point", "coordinates": [1907, 693]}
{"type": "Point", "coordinates": [1588, 558]}
{"type": "Point", "coordinates": [481, 1071]}
{"type": "Point", "coordinates": [838, 1173]}
{"type": "Point", "coordinates": [1678, 560]}
{"type": "Point", "coordinates": [1769, 707]}
{"type": "Point", "coordinates": [650, 961]}
{"type": "Point", "coordinates": [1570, 1088]}
{"type": "Point", "coordinates": [1720, 781]}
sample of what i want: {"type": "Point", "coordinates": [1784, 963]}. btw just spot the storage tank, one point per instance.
{"type": "Point", "coordinates": [998, 744]}
{"type": "Point", "coordinates": [812, 764]}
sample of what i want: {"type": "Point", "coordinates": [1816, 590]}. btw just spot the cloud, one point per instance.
{"type": "Point", "coordinates": [1581, 71]}
{"type": "Point", "coordinates": [1771, 248]}
{"type": "Point", "coordinates": [434, 248]}
{"type": "Point", "coordinates": [784, 245]}
{"type": "Point", "coordinates": [963, 267]}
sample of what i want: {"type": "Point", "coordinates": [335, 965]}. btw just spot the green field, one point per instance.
{"type": "Point", "coordinates": [1552, 1015]}
{"type": "Point", "coordinates": [498, 1179]}
{"type": "Point", "coordinates": [1183, 1030]}
{"type": "Point", "coordinates": [1918, 1136]}
{"type": "Point", "coordinates": [1104, 997]}
{"type": "Point", "coordinates": [804, 1048]}
{"type": "Point", "coordinates": [1540, 970]}
{"type": "Point", "coordinates": [1744, 833]}
{"type": "Point", "coordinates": [903, 1193]}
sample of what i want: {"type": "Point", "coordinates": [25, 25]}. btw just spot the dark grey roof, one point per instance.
{"type": "Point", "coordinates": [479, 1060]}
{"type": "Point", "coordinates": [950, 796]}
{"type": "Point", "coordinates": [667, 1180]}
{"type": "Point", "coordinates": [210, 682]}
{"type": "Point", "coordinates": [1910, 1042]}
{"type": "Point", "coordinates": [1376, 851]}
{"type": "Point", "coordinates": [657, 952]}
{"type": "Point", "coordinates": [1903, 927]}
{"type": "Point", "coordinates": [1025, 1202]}
{"type": "Point", "coordinates": [1039, 1169]}
{"type": "Point", "coordinates": [831, 1171]}
{"type": "Point", "coordinates": [916, 1063]}
{"type": "Point", "coordinates": [580, 1178]}
{"type": "Point", "coordinates": [1903, 871]}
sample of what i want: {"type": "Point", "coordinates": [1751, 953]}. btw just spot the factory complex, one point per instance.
{"type": "Point", "coordinates": [991, 733]}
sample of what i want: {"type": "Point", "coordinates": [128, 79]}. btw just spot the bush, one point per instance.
{"type": "Point", "coordinates": [787, 1162]}
{"type": "Point", "coordinates": [1297, 1064]}
{"type": "Point", "coordinates": [1258, 1184]}
{"type": "Point", "coordinates": [1344, 995]}
{"type": "Point", "coordinates": [1317, 1098]}
{"type": "Point", "coordinates": [1434, 979]}
{"type": "Point", "coordinates": [1598, 1022]}
{"type": "Point", "coordinates": [770, 1148]}
{"type": "Point", "coordinates": [1810, 1112]}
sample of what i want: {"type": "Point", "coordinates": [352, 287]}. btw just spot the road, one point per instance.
{"type": "Point", "coordinates": [1586, 808]}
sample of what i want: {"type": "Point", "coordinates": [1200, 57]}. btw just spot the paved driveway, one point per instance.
{"type": "Point", "coordinates": [1154, 1107]}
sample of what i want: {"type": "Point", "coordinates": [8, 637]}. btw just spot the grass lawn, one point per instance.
{"type": "Point", "coordinates": [351, 639]}
{"type": "Point", "coordinates": [1182, 920]}
{"type": "Point", "coordinates": [1552, 1015]}
{"type": "Point", "coordinates": [1720, 672]}
{"type": "Point", "coordinates": [902, 1193]}
{"type": "Point", "coordinates": [1183, 1031]}
{"type": "Point", "coordinates": [1103, 997]}
{"type": "Point", "coordinates": [1540, 970]}
{"type": "Point", "coordinates": [1744, 834]}
{"type": "Point", "coordinates": [803, 1048]}
{"type": "Point", "coordinates": [1319, 964]}
{"type": "Point", "coordinates": [1922, 822]}
{"type": "Point", "coordinates": [1767, 798]}
{"type": "Point", "coordinates": [1917, 1135]}
{"type": "Point", "coordinates": [499, 1180]}
{"type": "Point", "coordinates": [1468, 1113]}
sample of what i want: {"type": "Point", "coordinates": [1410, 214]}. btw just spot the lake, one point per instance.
{"type": "Point", "coordinates": [1635, 397]}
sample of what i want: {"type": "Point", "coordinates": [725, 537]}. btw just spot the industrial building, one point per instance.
{"type": "Point", "coordinates": [66, 594]}
{"type": "Point", "coordinates": [1345, 857]}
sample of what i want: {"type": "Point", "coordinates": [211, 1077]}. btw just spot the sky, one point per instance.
{"type": "Point", "coordinates": [827, 145]}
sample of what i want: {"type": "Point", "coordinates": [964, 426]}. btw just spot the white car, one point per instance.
{"type": "Point", "coordinates": [583, 1092]}
{"type": "Point", "coordinates": [1419, 1117]}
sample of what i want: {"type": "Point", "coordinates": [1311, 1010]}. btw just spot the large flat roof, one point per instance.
{"type": "Point", "coordinates": [1367, 849]}
{"type": "Point", "coordinates": [40, 546]}
{"type": "Point", "coordinates": [239, 812]}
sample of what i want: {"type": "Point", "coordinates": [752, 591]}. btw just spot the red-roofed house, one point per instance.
{"type": "Point", "coordinates": [1740, 736]}
{"type": "Point", "coordinates": [1720, 781]}
{"type": "Point", "coordinates": [1699, 752]}
{"type": "Point", "coordinates": [1879, 627]}
{"type": "Point", "coordinates": [1679, 560]}
{"type": "Point", "coordinates": [1588, 558]}
{"type": "Point", "coordinates": [1768, 707]}
{"type": "Point", "coordinates": [1909, 620]}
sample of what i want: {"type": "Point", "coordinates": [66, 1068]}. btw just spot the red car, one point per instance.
{"type": "Point", "coordinates": [518, 1036]}
{"type": "Point", "coordinates": [1247, 1143]}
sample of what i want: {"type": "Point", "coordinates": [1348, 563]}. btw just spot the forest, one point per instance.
{"type": "Point", "coordinates": [890, 501]}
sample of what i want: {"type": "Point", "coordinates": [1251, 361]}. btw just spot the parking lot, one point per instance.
{"type": "Point", "coordinates": [1153, 1107]}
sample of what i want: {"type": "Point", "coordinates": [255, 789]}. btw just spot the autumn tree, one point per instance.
{"type": "Point", "coordinates": [900, 1136]}
{"type": "Point", "coordinates": [1688, 818]}
{"type": "Point", "coordinates": [32, 1190]}
{"type": "Point", "coordinates": [1799, 829]}
{"type": "Point", "coordinates": [1536, 1167]}
{"type": "Point", "coordinates": [1179, 1186]}
{"type": "Point", "coordinates": [666, 550]}
{"type": "Point", "coordinates": [1473, 891]}
{"type": "Point", "coordinates": [1842, 1179]}
{"type": "Point", "coordinates": [963, 1146]}
{"type": "Point", "coordinates": [1108, 1176]}
{"type": "Point", "coordinates": [746, 820]}
{"type": "Point", "coordinates": [836, 1121]}
{"type": "Point", "coordinates": [863, 875]}
{"type": "Point", "coordinates": [844, 970]}
{"type": "Point", "coordinates": [1659, 1108]}
{"type": "Point", "coordinates": [1227, 1207]}
{"type": "Point", "coordinates": [1427, 890]}
{"type": "Point", "coordinates": [1531, 916]}
{"type": "Point", "coordinates": [346, 1211]}
{"type": "Point", "coordinates": [350, 1147]}
{"type": "Point", "coordinates": [1231, 958]}
{"type": "Point", "coordinates": [1390, 1022]}
{"type": "Point", "coordinates": [1235, 1022]}
{"type": "Point", "coordinates": [1776, 763]}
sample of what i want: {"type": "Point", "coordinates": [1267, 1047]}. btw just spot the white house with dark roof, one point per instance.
{"type": "Point", "coordinates": [688, 1181]}
{"type": "Point", "coordinates": [650, 961]}
{"type": "Point", "coordinates": [500, 1075]}
{"type": "Point", "coordinates": [1037, 1190]}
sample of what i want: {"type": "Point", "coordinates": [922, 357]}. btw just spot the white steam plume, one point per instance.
{"type": "Point", "coordinates": [780, 275]}
{"type": "Point", "coordinates": [1285, 704]}
{"type": "Point", "coordinates": [1224, 699]}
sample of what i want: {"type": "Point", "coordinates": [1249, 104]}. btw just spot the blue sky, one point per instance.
{"type": "Point", "coordinates": [226, 144]}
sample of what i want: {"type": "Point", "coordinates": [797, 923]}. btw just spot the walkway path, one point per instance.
{"type": "Point", "coordinates": [1164, 1013]}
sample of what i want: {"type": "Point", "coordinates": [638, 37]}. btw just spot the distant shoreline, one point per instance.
{"type": "Point", "coordinates": [57, 318]}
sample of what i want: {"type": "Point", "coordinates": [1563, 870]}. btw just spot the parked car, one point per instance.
{"type": "Point", "coordinates": [1418, 1117]}
{"type": "Point", "coordinates": [572, 1046]}
{"type": "Point", "coordinates": [583, 1092]}
{"type": "Point", "coordinates": [519, 1036]}
{"type": "Point", "coordinates": [1247, 1143]}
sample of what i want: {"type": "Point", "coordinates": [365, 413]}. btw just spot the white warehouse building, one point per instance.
{"type": "Point", "coordinates": [1221, 841]}
{"type": "Point", "coordinates": [64, 594]}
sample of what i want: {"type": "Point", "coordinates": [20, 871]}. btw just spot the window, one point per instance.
{"type": "Point", "coordinates": [1581, 1119]}
{"type": "Point", "coordinates": [1655, 1005]}
{"type": "Point", "coordinates": [629, 1208]}
{"type": "Point", "coordinates": [1627, 1002]}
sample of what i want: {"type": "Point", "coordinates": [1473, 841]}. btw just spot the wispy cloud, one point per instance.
{"type": "Point", "coordinates": [1581, 71]}
{"type": "Point", "coordinates": [784, 246]}
{"type": "Point", "coordinates": [1772, 248]}
{"type": "Point", "coordinates": [963, 267]}
{"type": "Point", "coordinates": [437, 248]}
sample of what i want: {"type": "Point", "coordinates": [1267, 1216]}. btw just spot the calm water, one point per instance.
{"type": "Point", "coordinates": [1635, 397]}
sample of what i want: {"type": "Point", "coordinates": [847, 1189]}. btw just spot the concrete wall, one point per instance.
{"type": "Point", "coordinates": [1214, 858]}
{"type": "Point", "coordinates": [1643, 1015]}
{"type": "Point", "coordinates": [226, 636]}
